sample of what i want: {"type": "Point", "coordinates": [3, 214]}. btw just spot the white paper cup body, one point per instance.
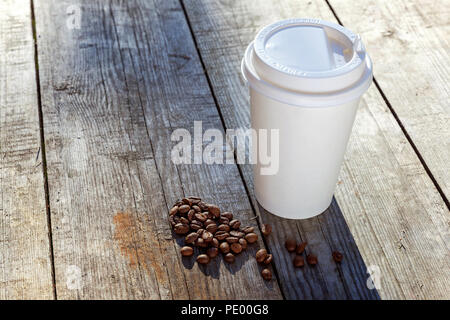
{"type": "Point", "coordinates": [314, 129]}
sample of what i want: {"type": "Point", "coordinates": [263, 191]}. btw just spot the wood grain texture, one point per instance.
{"type": "Point", "coordinates": [389, 204]}
{"type": "Point", "coordinates": [25, 266]}
{"type": "Point", "coordinates": [408, 41]}
{"type": "Point", "coordinates": [112, 93]}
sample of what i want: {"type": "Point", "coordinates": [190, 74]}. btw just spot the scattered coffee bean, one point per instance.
{"type": "Point", "coordinates": [299, 261]}
{"type": "Point", "coordinates": [248, 229]}
{"type": "Point", "coordinates": [187, 251]}
{"type": "Point", "coordinates": [224, 247]}
{"type": "Point", "coordinates": [173, 211]}
{"type": "Point", "coordinates": [266, 274]}
{"type": "Point", "coordinates": [235, 224]}
{"type": "Point", "coordinates": [184, 208]}
{"type": "Point", "coordinates": [214, 210]}
{"type": "Point", "coordinates": [229, 257]}
{"type": "Point", "coordinates": [337, 256]}
{"type": "Point", "coordinates": [290, 244]}
{"type": "Point", "coordinates": [268, 259]}
{"type": "Point", "coordinates": [311, 259]}
{"type": "Point", "coordinates": [261, 255]}
{"type": "Point", "coordinates": [228, 215]}
{"type": "Point", "coordinates": [236, 248]}
{"type": "Point", "coordinates": [243, 243]}
{"type": "Point", "coordinates": [266, 229]}
{"type": "Point", "coordinates": [212, 252]}
{"type": "Point", "coordinates": [203, 259]}
{"type": "Point", "coordinates": [191, 237]}
{"type": "Point", "coordinates": [181, 228]}
{"type": "Point", "coordinates": [300, 248]}
{"type": "Point", "coordinates": [251, 237]}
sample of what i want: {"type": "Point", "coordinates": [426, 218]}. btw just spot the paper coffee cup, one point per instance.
{"type": "Point", "coordinates": [306, 77]}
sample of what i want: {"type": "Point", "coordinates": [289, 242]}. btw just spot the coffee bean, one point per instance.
{"type": "Point", "coordinates": [231, 239]}
{"type": "Point", "coordinates": [172, 221]}
{"type": "Point", "coordinates": [173, 211]}
{"type": "Point", "coordinates": [178, 203]}
{"type": "Point", "coordinates": [215, 243]}
{"type": "Point", "coordinates": [212, 252]}
{"type": "Point", "coordinates": [268, 259]}
{"type": "Point", "coordinates": [200, 231]}
{"type": "Point", "coordinates": [224, 220]}
{"type": "Point", "coordinates": [203, 259]}
{"type": "Point", "coordinates": [191, 214]}
{"type": "Point", "coordinates": [290, 244]}
{"type": "Point", "coordinates": [229, 257]}
{"type": "Point", "coordinates": [337, 256]}
{"type": "Point", "coordinates": [194, 199]}
{"type": "Point", "coordinates": [202, 205]}
{"type": "Point", "coordinates": [299, 261]}
{"type": "Point", "coordinates": [223, 227]}
{"type": "Point", "coordinates": [187, 251]}
{"type": "Point", "coordinates": [312, 259]}
{"type": "Point", "coordinates": [184, 208]}
{"type": "Point", "coordinates": [207, 236]}
{"type": "Point", "coordinates": [235, 224]}
{"type": "Point", "coordinates": [208, 222]}
{"type": "Point", "coordinates": [224, 247]}
{"type": "Point", "coordinates": [266, 274]}
{"type": "Point", "coordinates": [248, 229]}
{"type": "Point", "coordinates": [214, 210]}
{"type": "Point", "coordinates": [237, 234]}
{"type": "Point", "coordinates": [211, 228]}
{"type": "Point", "coordinates": [196, 208]}
{"type": "Point", "coordinates": [228, 215]}
{"type": "Point", "coordinates": [184, 220]}
{"type": "Point", "coordinates": [191, 237]}
{"type": "Point", "coordinates": [201, 243]}
{"type": "Point", "coordinates": [181, 228]}
{"type": "Point", "coordinates": [236, 248]}
{"type": "Point", "coordinates": [266, 229]}
{"type": "Point", "coordinates": [251, 237]}
{"type": "Point", "coordinates": [221, 235]}
{"type": "Point", "coordinates": [176, 219]}
{"type": "Point", "coordinates": [261, 255]}
{"type": "Point", "coordinates": [201, 217]}
{"type": "Point", "coordinates": [301, 247]}
{"type": "Point", "coordinates": [196, 225]}
{"type": "Point", "coordinates": [243, 243]}
{"type": "Point", "coordinates": [186, 201]}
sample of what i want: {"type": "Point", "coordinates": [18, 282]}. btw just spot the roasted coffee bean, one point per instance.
{"type": "Point", "coordinates": [203, 259]}
{"type": "Point", "coordinates": [172, 221]}
{"type": "Point", "coordinates": [237, 234]}
{"type": "Point", "coordinates": [201, 217]}
{"type": "Point", "coordinates": [261, 255]}
{"type": "Point", "coordinates": [191, 237]}
{"type": "Point", "coordinates": [243, 243]}
{"type": "Point", "coordinates": [224, 220]}
{"type": "Point", "coordinates": [201, 243]}
{"type": "Point", "coordinates": [248, 229]}
{"type": "Point", "coordinates": [191, 214]}
{"type": "Point", "coordinates": [223, 227]}
{"type": "Point", "coordinates": [221, 235]}
{"type": "Point", "coordinates": [196, 208]}
{"type": "Point", "coordinates": [215, 243]}
{"type": "Point", "coordinates": [312, 259]}
{"type": "Point", "coordinates": [229, 257]}
{"type": "Point", "coordinates": [211, 228]}
{"type": "Point", "coordinates": [301, 247]}
{"type": "Point", "coordinates": [337, 256]}
{"type": "Point", "coordinates": [266, 274]}
{"type": "Point", "coordinates": [202, 205]}
{"type": "Point", "coordinates": [268, 259]}
{"type": "Point", "coordinates": [212, 252]}
{"type": "Point", "coordinates": [236, 248]}
{"type": "Point", "coordinates": [173, 211]}
{"type": "Point", "coordinates": [290, 244]}
{"type": "Point", "coordinates": [208, 222]}
{"type": "Point", "coordinates": [176, 218]}
{"type": "Point", "coordinates": [207, 236]}
{"type": "Point", "coordinates": [187, 251]}
{"type": "Point", "coordinates": [184, 220]}
{"type": "Point", "coordinates": [266, 229]}
{"type": "Point", "coordinates": [235, 224]}
{"type": "Point", "coordinates": [228, 215]}
{"type": "Point", "coordinates": [251, 237]}
{"type": "Point", "coordinates": [214, 210]}
{"type": "Point", "coordinates": [231, 239]}
{"type": "Point", "coordinates": [186, 201]}
{"type": "Point", "coordinates": [178, 203]}
{"type": "Point", "coordinates": [224, 247]}
{"type": "Point", "coordinates": [194, 199]}
{"type": "Point", "coordinates": [299, 261]}
{"type": "Point", "coordinates": [184, 208]}
{"type": "Point", "coordinates": [195, 225]}
{"type": "Point", "coordinates": [200, 231]}
{"type": "Point", "coordinates": [181, 228]}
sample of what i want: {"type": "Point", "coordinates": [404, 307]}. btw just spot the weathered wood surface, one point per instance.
{"type": "Point", "coordinates": [112, 93]}
{"type": "Point", "coordinates": [395, 214]}
{"type": "Point", "coordinates": [408, 41]}
{"type": "Point", "coordinates": [25, 266]}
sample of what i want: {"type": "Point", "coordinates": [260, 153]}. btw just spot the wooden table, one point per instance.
{"type": "Point", "coordinates": [86, 178]}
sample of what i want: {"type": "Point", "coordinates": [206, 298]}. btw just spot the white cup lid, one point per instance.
{"type": "Point", "coordinates": [309, 55]}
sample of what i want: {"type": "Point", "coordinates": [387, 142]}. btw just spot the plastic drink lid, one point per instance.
{"type": "Point", "coordinates": [307, 56]}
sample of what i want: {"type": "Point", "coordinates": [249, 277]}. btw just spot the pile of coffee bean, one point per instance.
{"type": "Point", "coordinates": [206, 227]}
{"type": "Point", "coordinates": [299, 261]}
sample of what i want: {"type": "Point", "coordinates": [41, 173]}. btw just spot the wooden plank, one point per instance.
{"type": "Point", "coordinates": [408, 42]}
{"type": "Point", "coordinates": [113, 92]}
{"type": "Point", "coordinates": [25, 266]}
{"type": "Point", "coordinates": [391, 211]}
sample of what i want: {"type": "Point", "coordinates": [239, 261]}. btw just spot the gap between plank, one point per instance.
{"type": "Point", "coordinates": [43, 154]}
{"type": "Point", "coordinates": [405, 132]}
{"type": "Point", "coordinates": [205, 71]}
